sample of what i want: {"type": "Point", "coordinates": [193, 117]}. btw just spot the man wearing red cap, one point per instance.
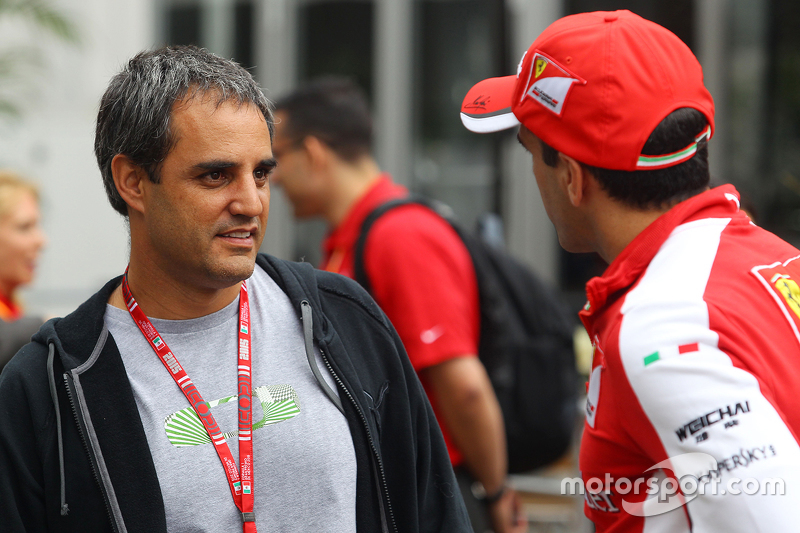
{"type": "Point", "coordinates": [691, 418]}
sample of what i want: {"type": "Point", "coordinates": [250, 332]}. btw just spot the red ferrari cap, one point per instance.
{"type": "Point", "coordinates": [594, 86]}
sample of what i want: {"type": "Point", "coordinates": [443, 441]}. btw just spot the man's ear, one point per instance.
{"type": "Point", "coordinates": [319, 153]}
{"type": "Point", "coordinates": [128, 178]}
{"type": "Point", "coordinates": [576, 179]}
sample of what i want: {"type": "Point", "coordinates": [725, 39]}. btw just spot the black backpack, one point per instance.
{"type": "Point", "coordinates": [525, 344]}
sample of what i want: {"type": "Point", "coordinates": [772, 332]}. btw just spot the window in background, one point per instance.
{"type": "Point", "coordinates": [459, 42]}
{"type": "Point", "coordinates": [243, 35]}
{"type": "Point", "coordinates": [678, 16]}
{"type": "Point", "coordinates": [335, 38]}
{"type": "Point", "coordinates": [765, 104]}
{"type": "Point", "coordinates": [183, 24]}
{"type": "Point", "coordinates": [225, 27]}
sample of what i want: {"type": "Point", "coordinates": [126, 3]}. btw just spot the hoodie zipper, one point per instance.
{"type": "Point", "coordinates": [92, 459]}
{"type": "Point", "coordinates": [381, 471]}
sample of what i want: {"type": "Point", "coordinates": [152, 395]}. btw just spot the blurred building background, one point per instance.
{"type": "Point", "coordinates": [415, 59]}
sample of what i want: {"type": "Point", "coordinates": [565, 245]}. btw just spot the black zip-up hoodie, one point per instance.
{"type": "Point", "coordinates": [74, 456]}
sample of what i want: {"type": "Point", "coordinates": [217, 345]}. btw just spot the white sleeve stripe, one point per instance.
{"type": "Point", "coordinates": [698, 401]}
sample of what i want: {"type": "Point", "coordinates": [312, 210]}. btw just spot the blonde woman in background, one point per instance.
{"type": "Point", "coordinates": [21, 241]}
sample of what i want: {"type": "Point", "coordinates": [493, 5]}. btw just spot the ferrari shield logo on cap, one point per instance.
{"type": "Point", "coordinates": [549, 83]}
{"type": "Point", "coordinates": [541, 63]}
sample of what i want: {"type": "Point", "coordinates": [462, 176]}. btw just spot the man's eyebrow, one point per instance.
{"type": "Point", "coordinates": [269, 163]}
{"type": "Point", "coordinates": [221, 164]}
{"type": "Point", "coordinates": [215, 164]}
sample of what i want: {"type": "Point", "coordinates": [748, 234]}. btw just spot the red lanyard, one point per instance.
{"type": "Point", "coordinates": [242, 491]}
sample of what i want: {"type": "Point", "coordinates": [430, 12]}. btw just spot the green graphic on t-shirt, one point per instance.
{"type": "Point", "coordinates": [278, 403]}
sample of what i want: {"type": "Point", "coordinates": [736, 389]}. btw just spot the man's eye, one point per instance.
{"type": "Point", "coordinates": [261, 174]}
{"type": "Point", "coordinates": [214, 176]}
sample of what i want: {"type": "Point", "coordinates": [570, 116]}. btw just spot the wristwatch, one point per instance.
{"type": "Point", "coordinates": [479, 491]}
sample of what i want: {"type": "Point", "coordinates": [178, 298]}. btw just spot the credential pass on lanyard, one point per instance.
{"type": "Point", "coordinates": [241, 490]}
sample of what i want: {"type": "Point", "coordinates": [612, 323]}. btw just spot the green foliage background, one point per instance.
{"type": "Point", "coordinates": [16, 59]}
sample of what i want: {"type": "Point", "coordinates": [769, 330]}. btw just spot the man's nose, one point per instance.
{"type": "Point", "coordinates": [248, 199]}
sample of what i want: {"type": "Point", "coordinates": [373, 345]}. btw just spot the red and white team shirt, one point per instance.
{"type": "Point", "coordinates": [696, 333]}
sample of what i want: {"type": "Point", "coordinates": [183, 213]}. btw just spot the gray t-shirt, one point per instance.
{"type": "Point", "coordinates": [304, 460]}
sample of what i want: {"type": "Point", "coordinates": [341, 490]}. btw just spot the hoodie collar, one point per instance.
{"type": "Point", "coordinates": [75, 335]}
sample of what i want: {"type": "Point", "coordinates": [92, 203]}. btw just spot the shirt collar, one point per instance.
{"type": "Point", "coordinates": [720, 202]}
{"type": "Point", "coordinates": [344, 236]}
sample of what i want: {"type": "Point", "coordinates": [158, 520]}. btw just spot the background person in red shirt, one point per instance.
{"type": "Point", "coordinates": [420, 274]}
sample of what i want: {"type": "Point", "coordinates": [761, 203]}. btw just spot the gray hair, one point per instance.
{"type": "Point", "coordinates": [136, 109]}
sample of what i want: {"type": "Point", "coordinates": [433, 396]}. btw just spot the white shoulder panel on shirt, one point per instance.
{"type": "Point", "coordinates": [695, 398]}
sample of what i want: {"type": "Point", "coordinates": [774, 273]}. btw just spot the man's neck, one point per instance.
{"type": "Point", "coordinates": [351, 183]}
{"type": "Point", "coordinates": [161, 296]}
{"type": "Point", "coordinates": [620, 225]}
{"type": "Point", "coordinates": [7, 291]}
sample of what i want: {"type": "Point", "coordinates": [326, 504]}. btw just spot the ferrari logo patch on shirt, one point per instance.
{"type": "Point", "coordinates": [790, 292]}
{"type": "Point", "coordinates": [780, 280]}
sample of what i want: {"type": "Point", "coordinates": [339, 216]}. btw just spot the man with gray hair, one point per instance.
{"type": "Point", "coordinates": [211, 388]}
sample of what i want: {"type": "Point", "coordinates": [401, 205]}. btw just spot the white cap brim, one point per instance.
{"type": "Point", "coordinates": [484, 124]}
{"type": "Point", "coordinates": [487, 106]}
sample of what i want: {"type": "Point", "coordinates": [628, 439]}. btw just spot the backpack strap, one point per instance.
{"type": "Point", "coordinates": [359, 270]}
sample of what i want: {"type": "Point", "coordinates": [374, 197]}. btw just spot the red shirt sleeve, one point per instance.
{"type": "Point", "coordinates": [422, 276]}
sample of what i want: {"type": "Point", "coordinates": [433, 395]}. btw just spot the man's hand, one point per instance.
{"type": "Point", "coordinates": [507, 515]}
